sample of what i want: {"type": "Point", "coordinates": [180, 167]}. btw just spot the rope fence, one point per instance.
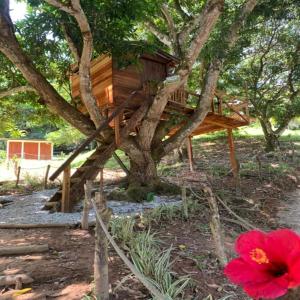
{"type": "Point", "coordinates": [145, 281]}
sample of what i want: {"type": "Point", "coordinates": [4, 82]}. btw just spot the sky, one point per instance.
{"type": "Point", "coordinates": [17, 10]}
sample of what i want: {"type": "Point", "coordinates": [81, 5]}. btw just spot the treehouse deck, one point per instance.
{"type": "Point", "coordinates": [113, 89]}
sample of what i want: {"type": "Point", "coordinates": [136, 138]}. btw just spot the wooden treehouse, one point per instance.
{"type": "Point", "coordinates": [113, 88]}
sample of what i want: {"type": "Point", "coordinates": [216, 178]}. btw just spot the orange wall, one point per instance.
{"type": "Point", "coordinates": [15, 149]}
{"type": "Point", "coordinates": [30, 150]}
{"type": "Point", "coordinates": [46, 151]}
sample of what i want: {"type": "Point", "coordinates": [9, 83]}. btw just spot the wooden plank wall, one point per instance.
{"type": "Point", "coordinates": [101, 72]}
{"type": "Point", "coordinates": [134, 76]}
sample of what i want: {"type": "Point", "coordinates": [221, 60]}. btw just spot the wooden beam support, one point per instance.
{"type": "Point", "coordinates": [66, 205]}
{"type": "Point", "coordinates": [117, 129]}
{"type": "Point", "coordinates": [233, 161]}
{"type": "Point", "coordinates": [190, 153]}
{"type": "Point", "coordinates": [46, 177]}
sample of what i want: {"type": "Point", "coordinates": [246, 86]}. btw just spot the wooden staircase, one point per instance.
{"type": "Point", "coordinates": [88, 171]}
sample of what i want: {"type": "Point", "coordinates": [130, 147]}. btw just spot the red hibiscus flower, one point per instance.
{"type": "Point", "coordinates": [269, 263]}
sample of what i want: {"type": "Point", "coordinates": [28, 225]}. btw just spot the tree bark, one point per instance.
{"type": "Point", "coordinates": [143, 169]}
{"type": "Point", "coordinates": [271, 138]}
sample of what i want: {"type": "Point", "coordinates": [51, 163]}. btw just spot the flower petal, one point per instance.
{"type": "Point", "coordinates": [294, 274]}
{"type": "Point", "coordinates": [283, 245]}
{"type": "Point", "coordinates": [249, 241]}
{"type": "Point", "coordinates": [240, 272]}
{"type": "Point", "coordinates": [268, 290]}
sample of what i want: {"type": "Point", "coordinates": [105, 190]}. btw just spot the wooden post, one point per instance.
{"type": "Point", "coordinates": [46, 177]}
{"type": "Point", "coordinates": [65, 205]}
{"type": "Point", "coordinates": [190, 153]}
{"type": "Point", "coordinates": [216, 227]}
{"type": "Point", "coordinates": [117, 130]}
{"type": "Point", "coordinates": [18, 176]}
{"type": "Point", "coordinates": [184, 203]}
{"type": "Point", "coordinates": [233, 161]}
{"type": "Point", "coordinates": [86, 205]}
{"type": "Point", "coordinates": [101, 251]}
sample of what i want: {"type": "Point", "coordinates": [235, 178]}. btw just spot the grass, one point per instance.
{"type": "Point", "coordinates": [252, 131]}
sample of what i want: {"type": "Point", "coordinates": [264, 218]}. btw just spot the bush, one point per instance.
{"type": "Point", "coordinates": [2, 155]}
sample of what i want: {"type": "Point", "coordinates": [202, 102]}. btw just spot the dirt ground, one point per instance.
{"type": "Point", "coordinates": [65, 272]}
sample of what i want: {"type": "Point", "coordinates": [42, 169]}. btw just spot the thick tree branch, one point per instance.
{"type": "Point", "coordinates": [74, 50]}
{"type": "Point", "coordinates": [10, 47]}
{"type": "Point", "coordinates": [162, 37]}
{"type": "Point", "coordinates": [210, 82]}
{"type": "Point", "coordinates": [61, 6]}
{"type": "Point", "coordinates": [87, 97]}
{"type": "Point", "coordinates": [17, 90]}
{"type": "Point", "coordinates": [209, 17]}
{"type": "Point", "coordinates": [211, 14]}
{"type": "Point", "coordinates": [196, 22]}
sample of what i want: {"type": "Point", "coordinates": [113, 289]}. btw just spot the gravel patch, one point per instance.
{"type": "Point", "coordinates": [27, 209]}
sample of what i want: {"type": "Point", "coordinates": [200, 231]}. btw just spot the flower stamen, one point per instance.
{"type": "Point", "coordinates": [258, 255]}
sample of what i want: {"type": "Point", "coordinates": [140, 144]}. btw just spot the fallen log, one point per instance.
{"type": "Point", "coordinates": [21, 250]}
{"type": "Point", "coordinates": [7, 280]}
{"type": "Point", "coordinates": [29, 226]}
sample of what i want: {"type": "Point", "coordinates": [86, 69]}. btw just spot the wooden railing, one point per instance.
{"type": "Point", "coordinates": [179, 96]}
{"type": "Point", "coordinates": [234, 107]}
{"type": "Point", "coordinates": [239, 110]}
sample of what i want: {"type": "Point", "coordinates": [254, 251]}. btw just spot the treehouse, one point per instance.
{"type": "Point", "coordinates": [112, 85]}
{"type": "Point", "coordinates": [120, 91]}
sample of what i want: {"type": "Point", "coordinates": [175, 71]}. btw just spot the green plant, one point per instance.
{"type": "Point", "coordinates": [2, 155]}
{"type": "Point", "coordinates": [144, 250]}
{"type": "Point", "coordinates": [147, 257]}
{"type": "Point", "coordinates": [32, 180]}
{"type": "Point", "coordinates": [164, 278]}
{"type": "Point", "coordinates": [122, 229]}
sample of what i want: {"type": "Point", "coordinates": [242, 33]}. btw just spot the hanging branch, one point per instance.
{"type": "Point", "coordinates": [16, 90]}
{"type": "Point", "coordinates": [162, 37]}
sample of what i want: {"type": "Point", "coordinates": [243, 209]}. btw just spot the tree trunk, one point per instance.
{"type": "Point", "coordinates": [272, 142]}
{"type": "Point", "coordinates": [142, 169]}
{"type": "Point", "coordinates": [270, 136]}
